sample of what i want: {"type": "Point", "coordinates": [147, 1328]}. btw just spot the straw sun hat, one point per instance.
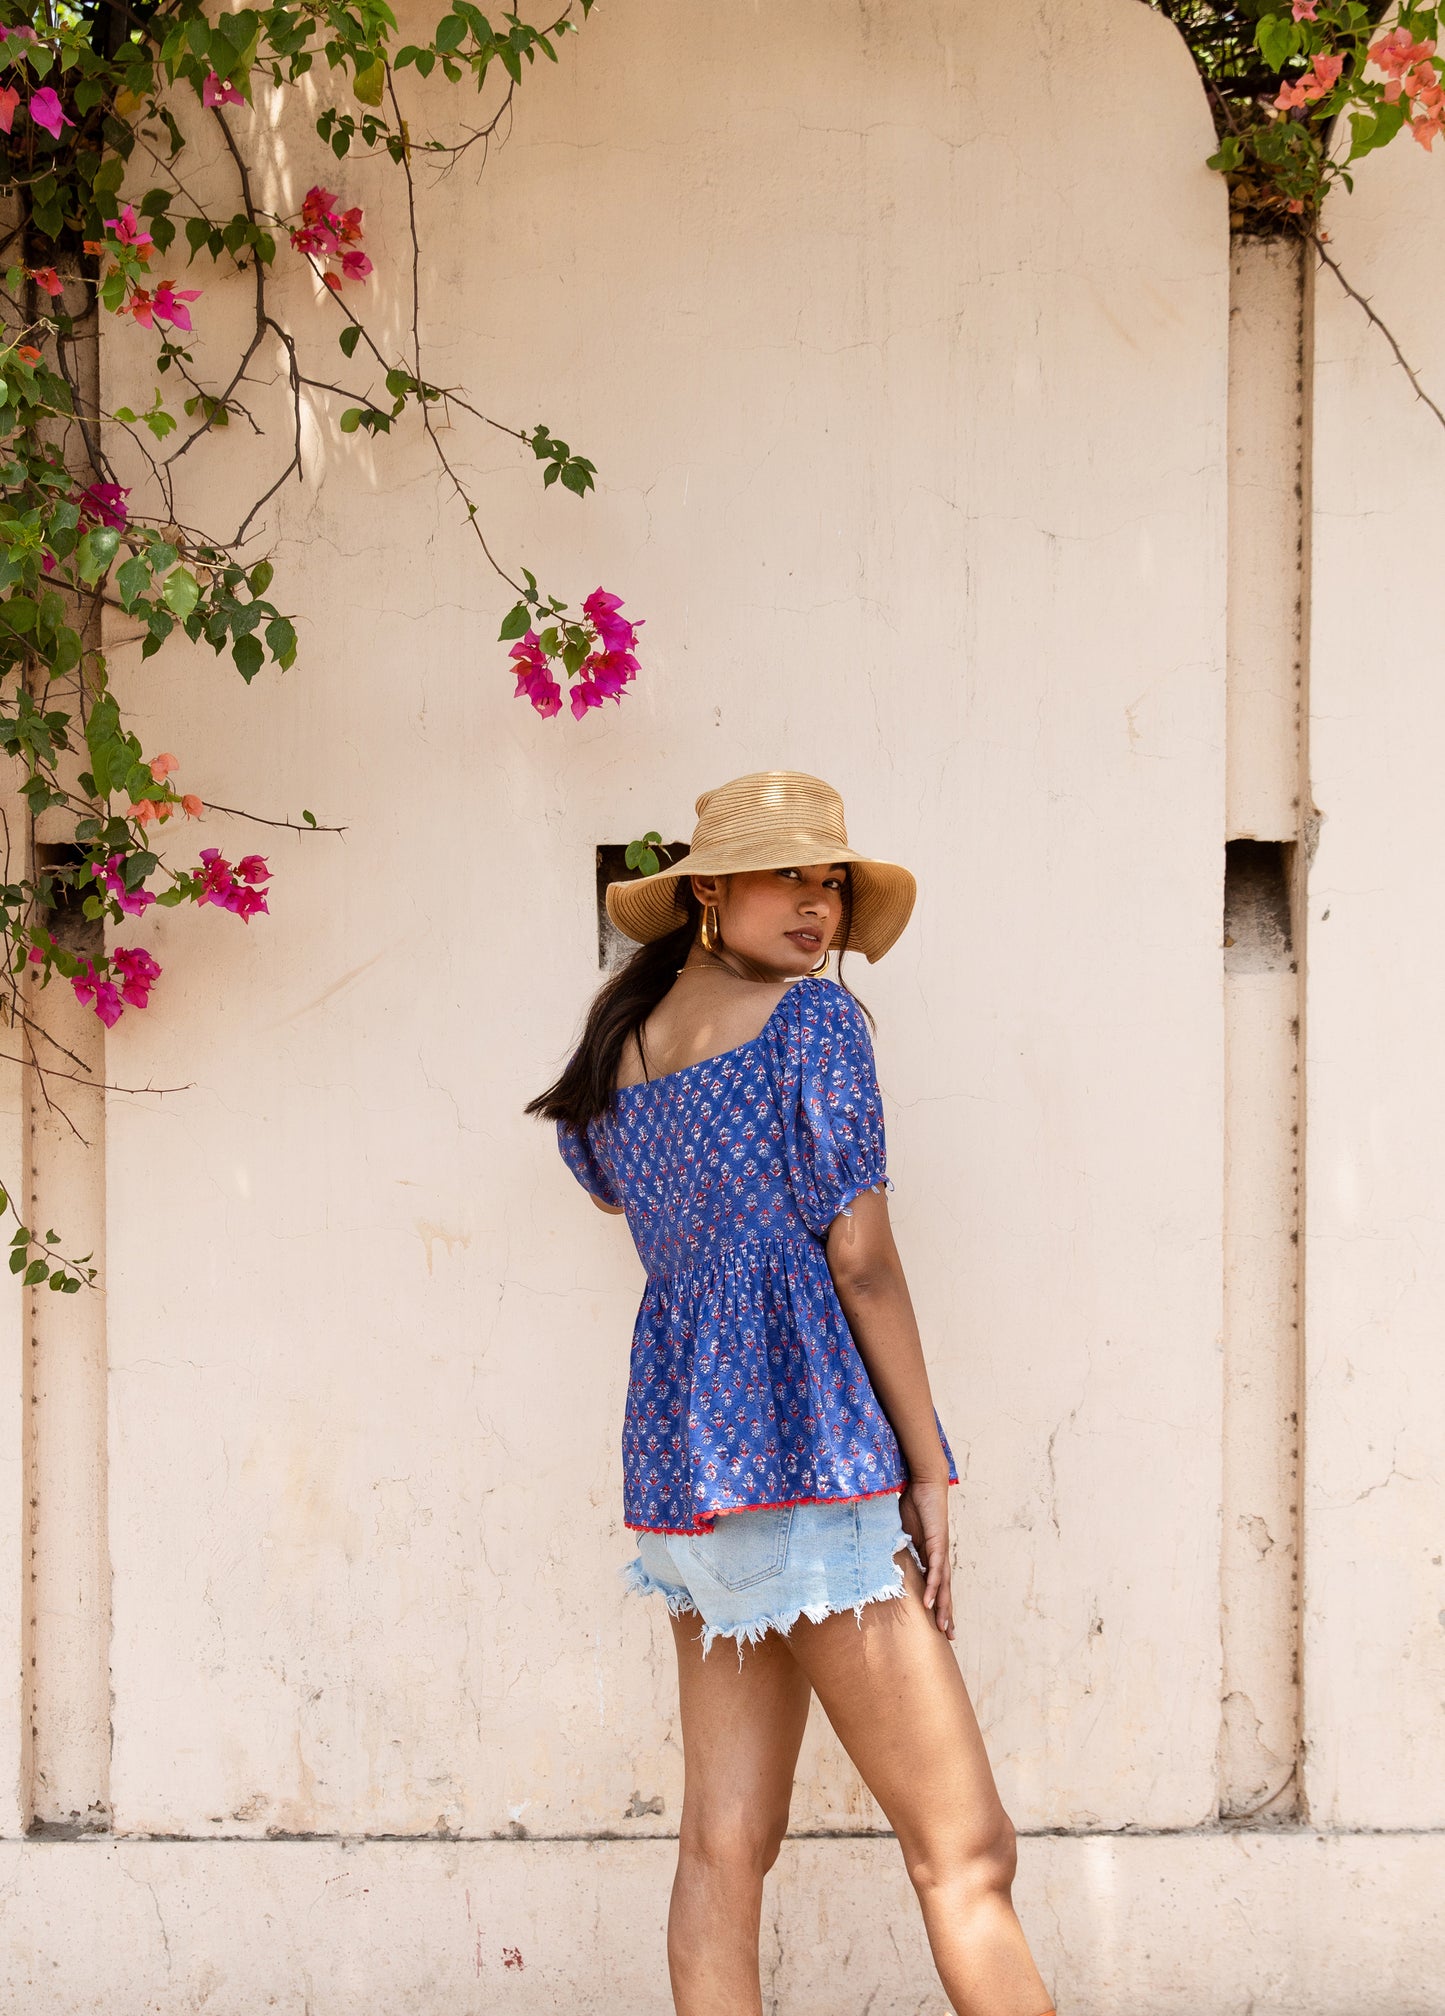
{"type": "Point", "coordinates": [770, 819]}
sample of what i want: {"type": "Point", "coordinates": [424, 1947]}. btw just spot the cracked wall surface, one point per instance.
{"type": "Point", "coordinates": [911, 444]}
{"type": "Point", "coordinates": [1374, 1678]}
{"type": "Point", "coordinates": [911, 453]}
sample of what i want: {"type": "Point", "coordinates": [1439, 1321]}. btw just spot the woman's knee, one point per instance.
{"type": "Point", "coordinates": [741, 1843]}
{"type": "Point", "coordinates": [981, 1859]}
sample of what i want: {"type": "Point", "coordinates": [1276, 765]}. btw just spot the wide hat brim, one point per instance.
{"type": "Point", "coordinates": [883, 892]}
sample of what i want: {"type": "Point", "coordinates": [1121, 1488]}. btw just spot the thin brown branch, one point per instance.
{"type": "Point", "coordinates": [1383, 327]}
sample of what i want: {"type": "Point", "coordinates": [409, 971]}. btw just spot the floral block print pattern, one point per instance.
{"type": "Point", "coordinates": [746, 1387]}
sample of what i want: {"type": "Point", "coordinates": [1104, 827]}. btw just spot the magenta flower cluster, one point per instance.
{"type": "Point", "coordinates": [603, 672]}
{"type": "Point", "coordinates": [233, 888]}
{"type": "Point", "coordinates": [137, 970]}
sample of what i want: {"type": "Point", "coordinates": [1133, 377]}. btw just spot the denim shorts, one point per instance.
{"type": "Point", "coordinates": [760, 1571]}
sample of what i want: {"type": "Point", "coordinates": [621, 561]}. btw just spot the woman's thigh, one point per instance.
{"type": "Point", "coordinates": [742, 1728]}
{"type": "Point", "coordinates": [890, 1686]}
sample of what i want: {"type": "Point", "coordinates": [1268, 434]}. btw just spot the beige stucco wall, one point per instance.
{"type": "Point", "coordinates": [911, 436]}
{"type": "Point", "coordinates": [1375, 1536]}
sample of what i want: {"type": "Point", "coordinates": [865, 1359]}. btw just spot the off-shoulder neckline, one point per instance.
{"type": "Point", "coordinates": [721, 1056]}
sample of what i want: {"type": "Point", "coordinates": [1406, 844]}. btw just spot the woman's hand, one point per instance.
{"type": "Point", "coordinates": [923, 1508]}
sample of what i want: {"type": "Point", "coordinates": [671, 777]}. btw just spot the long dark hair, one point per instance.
{"type": "Point", "coordinates": [622, 1004]}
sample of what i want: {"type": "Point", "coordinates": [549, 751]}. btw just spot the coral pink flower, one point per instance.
{"type": "Point", "coordinates": [192, 805]}
{"type": "Point", "coordinates": [27, 353]}
{"type": "Point", "coordinates": [9, 105]}
{"type": "Point", "coordinates": [1396, 53]}
{"type": "Point", "coordinates": [161, 766]}
{"type": "Point", "coordinates": [46, 110]}
{"type": "Point", "coordinates": [214, 92]}
{"type": "Point", "coordinates": [1304, 10]}
{"type": "Point", "coordinates": [47, 280]}
{"type": "Point", "coordinates": [144, 811]}
{"type": "Point", "coordinates": [322, 234]}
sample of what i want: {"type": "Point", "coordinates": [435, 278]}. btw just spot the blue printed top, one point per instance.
{"type": "Point", "coordinates": [746, 1386]}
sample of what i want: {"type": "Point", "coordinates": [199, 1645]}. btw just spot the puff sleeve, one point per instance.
{"type": "Point", "coordinates": [821, 1056]}
{"type": "Point", "coordinates": [585, 1163]}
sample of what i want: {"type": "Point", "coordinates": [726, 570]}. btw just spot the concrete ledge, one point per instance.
{"type": "Point", "coordinates": [1150, 1925]}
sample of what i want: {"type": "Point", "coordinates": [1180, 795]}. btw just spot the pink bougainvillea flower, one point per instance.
{"type": "Point", "coordinates": [231, 888]}
{"type": "Point", "coordinates": [109, 876]}
{"type": "Point", "coordinates": [161, 766]}
{"type": "Point", "coordinates": [9, 105]}
{"type": "Point", "coordinates": [215, 92]}
{"type": "Point", "coordinates": [48, 562]}
{"type": "Point", "coordinates": [144, 811]}
{"type": "Point", "coordinates": [1320, 78]}
{"type": "Point", "coordinates": [19, 34]}
{"type": "Point", "coordinates": [192, 805]}
{"type": "Point", "coordinates": [91, 990]}
{"type": "Point", "coordinates": [139, 973]}
{"type": "Point", "coordinates": [126, 228]}
{"type": "Point", "coordinates": [534, 676]}
{"type": "Point", "coordinates": [614, 631]}
{"type": "Point", "coordinates": [323, 233]}
{"type": "Point", "coordinates": [169, 304]}
{"type": "Point", "coordinates": [140, 304]}
{"type": "Point", "coordinates": [1304, 10]}
{"type": "Point", "coordinates": [47, 280]}
{"type": "Point", "coordinates": [47, 111]}
{"type": "Point", "coordinates": [1397, 52]}
{"type": "Point", "coordinates": [100, 504]}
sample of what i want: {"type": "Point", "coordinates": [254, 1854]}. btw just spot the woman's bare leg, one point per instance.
{"type": "Point", "coordinates": [892, 1690]}
{"type": "Point", "coordinates": [741, 1731]}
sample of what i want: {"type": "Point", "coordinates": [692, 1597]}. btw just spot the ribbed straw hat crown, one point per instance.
{"type": "Point", "coordinates": [781, 805]}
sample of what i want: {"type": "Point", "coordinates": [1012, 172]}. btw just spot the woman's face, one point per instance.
{"type": "Point", "coordinates": [781, 918]}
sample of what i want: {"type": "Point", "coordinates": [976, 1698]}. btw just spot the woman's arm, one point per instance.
{"type": "Point", "coordinates": [612, 1210]}
{"type": "Point", "coordinates": [868, 1276]}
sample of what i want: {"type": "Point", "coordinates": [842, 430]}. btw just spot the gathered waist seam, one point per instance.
{"type": "Point", "coordinates": [721, 1252]}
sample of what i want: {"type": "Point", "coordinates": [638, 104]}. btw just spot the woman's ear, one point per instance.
{"type": "Point", "coordinates": [704, 887]}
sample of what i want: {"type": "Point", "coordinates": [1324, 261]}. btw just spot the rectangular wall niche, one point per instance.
{"type": "Point", "coordinates": [613, 950]}
{"type": "Point", "coordinates": [1257, 879]}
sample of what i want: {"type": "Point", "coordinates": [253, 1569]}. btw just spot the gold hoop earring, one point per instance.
{"type": "Point", "coordinates": [821, 967]}
{"type": "Point", "coordinates": [707, 934]}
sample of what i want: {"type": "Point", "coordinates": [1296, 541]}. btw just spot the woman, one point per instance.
{"type": "Point", "coordinates": [783, 1465]}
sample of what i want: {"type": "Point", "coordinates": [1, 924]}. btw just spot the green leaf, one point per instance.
{"type": "Point", "coordinates": [261, 577]}
{"type": "Point", "coordinates": [181, 592]}
{"type": "Point", "coordinates": [309, 817]}
{"type": "Point", "coordinates": [1278, 38]}
{"type": "Point", "coordinates": [281, 640]}
{"type": "Point", "coordinates": [163, 555]}
{"type": "Point", "coordinates": [249, 657]}
{"type": "Point", "coordinates": [368, 82]}
{"type": "Point", "coordinates": [349, 338]}
{"type": "Point", "coordinates": [133, 579]}
{"type": "Point", "coordinates": [35, 1272]}
{"type": "Point", "coordinates": [350, 420]}
{"type": "Point", "coordinates": [95, 552]}
{"type": "Point", "coordinates": [515, 624]}
{"type": "Point", "coordinates": [451, 32]}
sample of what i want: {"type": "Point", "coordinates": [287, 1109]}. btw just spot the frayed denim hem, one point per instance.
{"type": "Point", "coordinates": [637, 1581]}
{"type": "Point", "coordinates": [750, 1633]}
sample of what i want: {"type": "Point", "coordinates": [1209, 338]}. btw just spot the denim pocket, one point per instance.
{"type": "Point", "coordinates": [744, 1548]}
